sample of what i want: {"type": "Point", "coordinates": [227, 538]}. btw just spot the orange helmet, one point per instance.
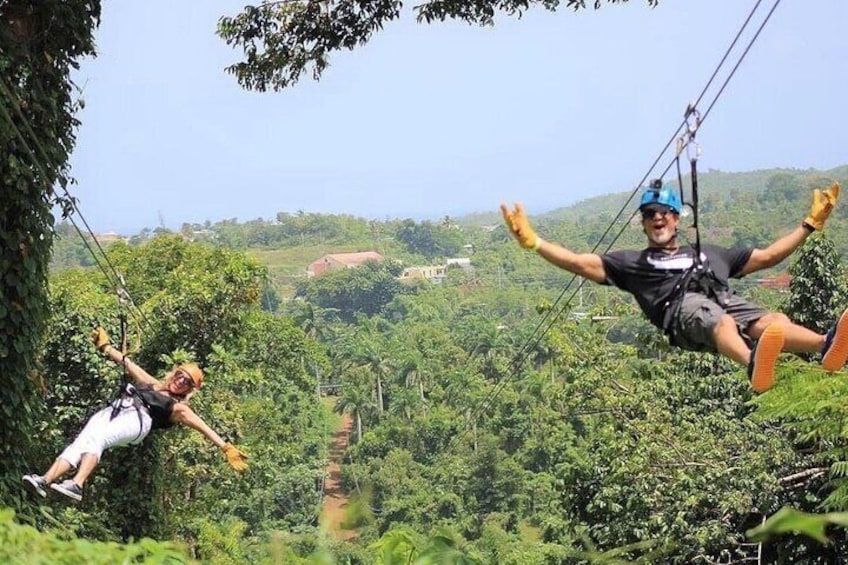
{"type": "Point", "coordinates": [193, 370]}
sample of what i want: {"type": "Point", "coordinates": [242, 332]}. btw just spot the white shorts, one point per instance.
{"type": "Point", "coordinates": [101, 432]}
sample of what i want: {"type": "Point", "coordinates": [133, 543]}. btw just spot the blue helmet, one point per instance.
{"type": "Point", "coordinates": [657, 193]}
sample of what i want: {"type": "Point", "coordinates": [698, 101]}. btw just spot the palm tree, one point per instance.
{"type": "Point", "coordinates": [313, 320]}
{"type": "Point", "coordinates": [372, 350]}
{"type": "Point", "coordinates": [403, 402]}
{"type": "Point", "coordinates": [354, 401]}
{"type": "Point", "coordinates": [487, 343]}
{"type": "Point", "coordinates": [412, 371]}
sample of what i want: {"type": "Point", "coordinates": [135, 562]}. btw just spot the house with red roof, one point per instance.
{"type": "Point", "coordinates": [336, 261]}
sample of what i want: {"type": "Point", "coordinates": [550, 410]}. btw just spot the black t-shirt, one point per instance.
{"type": "Point", "coordinates": [651, 275]}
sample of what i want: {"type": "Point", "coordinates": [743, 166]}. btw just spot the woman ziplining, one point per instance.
{"type": "Point", "coordinates": [687, 295]}
{"type": "Point", "coordinates": [144, 404]}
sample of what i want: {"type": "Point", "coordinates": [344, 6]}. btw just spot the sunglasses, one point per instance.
{"type": "Point", "coordinates": [184, 379]}
{"type": "Point", "coordinates": [649, 212]}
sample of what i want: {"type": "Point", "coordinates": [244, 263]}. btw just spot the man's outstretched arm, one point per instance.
{"type": "Point", "coordinates": [823, 203]}
{"type": "Point", "coordinates": [587, 265]}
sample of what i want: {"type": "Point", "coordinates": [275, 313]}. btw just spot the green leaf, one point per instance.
{"type": "Point", "coordinates": [789, 520]}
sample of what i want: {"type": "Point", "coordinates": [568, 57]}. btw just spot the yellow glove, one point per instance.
{"type": "Point", "coordinates": [100, 338]}
{"type": "Point", "coordinates": [823, 203]}
{"type": "Point", "coordinates": [235, 457]}
{"type": "Point", "coordinates": [518, 224]}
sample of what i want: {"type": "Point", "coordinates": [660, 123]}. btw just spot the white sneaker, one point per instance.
{"type": "Point", "coordinates": [35, 484]}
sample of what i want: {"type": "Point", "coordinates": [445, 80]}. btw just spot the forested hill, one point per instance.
{"type": "Point", "coordinates": [745, 209]}
{"type": "Point", "coordinates": [500, 416]}
{"type": "Point", "coordinates": [714, 185]}
{"type": "Point", "coordinates": [735, 209]}
{"type": "Point", "coordinates": [717, 186]}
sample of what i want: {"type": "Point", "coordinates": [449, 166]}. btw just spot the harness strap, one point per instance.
{"type": "Point", "coordinates": [671, 309]}
{"type": "Point", "coordinates": [128, 392]}
{"type": "Point", "coordinates": [698, 278]}
{"type": "Point", "coordinates": [693, 152]}
{"type": "Point", "coordinates": [122, 392]}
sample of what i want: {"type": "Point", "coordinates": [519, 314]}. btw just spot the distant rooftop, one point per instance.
{"type": "Point", "coordinates": [357, 258]}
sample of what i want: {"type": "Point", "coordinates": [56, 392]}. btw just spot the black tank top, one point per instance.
{"type": "Point", "coordinates": [159, 406]}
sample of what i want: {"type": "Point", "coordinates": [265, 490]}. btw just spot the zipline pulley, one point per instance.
{"type": "Point", "coordinates": [687, 140]}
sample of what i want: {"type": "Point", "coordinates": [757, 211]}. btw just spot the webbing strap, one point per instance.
{"type": "Point", "coordinates": [693, 151]}
{"type": "Point", "coordinates": [128, 391]}
{"type": "Point", "coordinates": [698, 277]}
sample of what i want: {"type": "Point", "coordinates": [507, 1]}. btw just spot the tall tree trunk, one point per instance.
{"type": "Point", "coordinates": [380, 394]}
{"type": "Point", "coordinates": [358, 426]}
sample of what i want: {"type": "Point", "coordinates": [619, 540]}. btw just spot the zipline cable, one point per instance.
{"type": "Point", "coordinates": [732, 72]}
{"type": "Point", "coordinates": [117, 281]}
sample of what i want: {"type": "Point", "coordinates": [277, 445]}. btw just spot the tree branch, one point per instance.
{"type": "Point", "coordinates": [812, 473]}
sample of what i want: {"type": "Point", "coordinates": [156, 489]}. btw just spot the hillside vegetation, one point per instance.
{"type": "Point", "coordinates": [750, 208]}
{"type": "Point", "coordinates": [502, 416]}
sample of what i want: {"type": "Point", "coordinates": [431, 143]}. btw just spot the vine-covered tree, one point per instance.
{"type": "Point", "coordinates": [40, 42]}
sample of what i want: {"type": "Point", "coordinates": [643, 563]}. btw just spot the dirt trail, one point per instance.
{"type": "Point", "coordinates": [335, 499]}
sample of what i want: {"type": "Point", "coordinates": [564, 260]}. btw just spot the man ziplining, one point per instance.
{"type": "Point", "coordinates": [688, 297]}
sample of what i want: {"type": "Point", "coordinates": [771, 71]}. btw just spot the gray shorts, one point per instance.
{"type": "Point", "coordinates": [693, 327]}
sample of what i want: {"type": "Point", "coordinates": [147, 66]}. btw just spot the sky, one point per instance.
{"type": "Point", "coordinates": [445, 119]}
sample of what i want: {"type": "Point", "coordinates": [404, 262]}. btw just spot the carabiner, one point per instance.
{"type": "Point", "coordinates": [693, 122]}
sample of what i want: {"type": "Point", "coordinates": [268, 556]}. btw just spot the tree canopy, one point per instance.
{"type": "Point", "coordinates": [283, 40]}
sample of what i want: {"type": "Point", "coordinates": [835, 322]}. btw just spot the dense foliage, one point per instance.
{"type": "Point", "coordinates": [25, 544]}
{"type": "Point", "coordinates": [39, 44]}
{"type": "Point", "coordinates": [475, 434]}
{"type": "Point", "coordinates": [818, 289]}
{"type": "Point", "coordinates": [503, 416]}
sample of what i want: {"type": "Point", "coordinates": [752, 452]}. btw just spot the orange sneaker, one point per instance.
{"type": "Point", "coordinates": [835, 351]}
{"type": "Point", "coordinates": [764, 358]}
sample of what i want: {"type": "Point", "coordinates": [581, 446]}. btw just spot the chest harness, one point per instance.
{"type": "Point", "coordinates": [141, 397]}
